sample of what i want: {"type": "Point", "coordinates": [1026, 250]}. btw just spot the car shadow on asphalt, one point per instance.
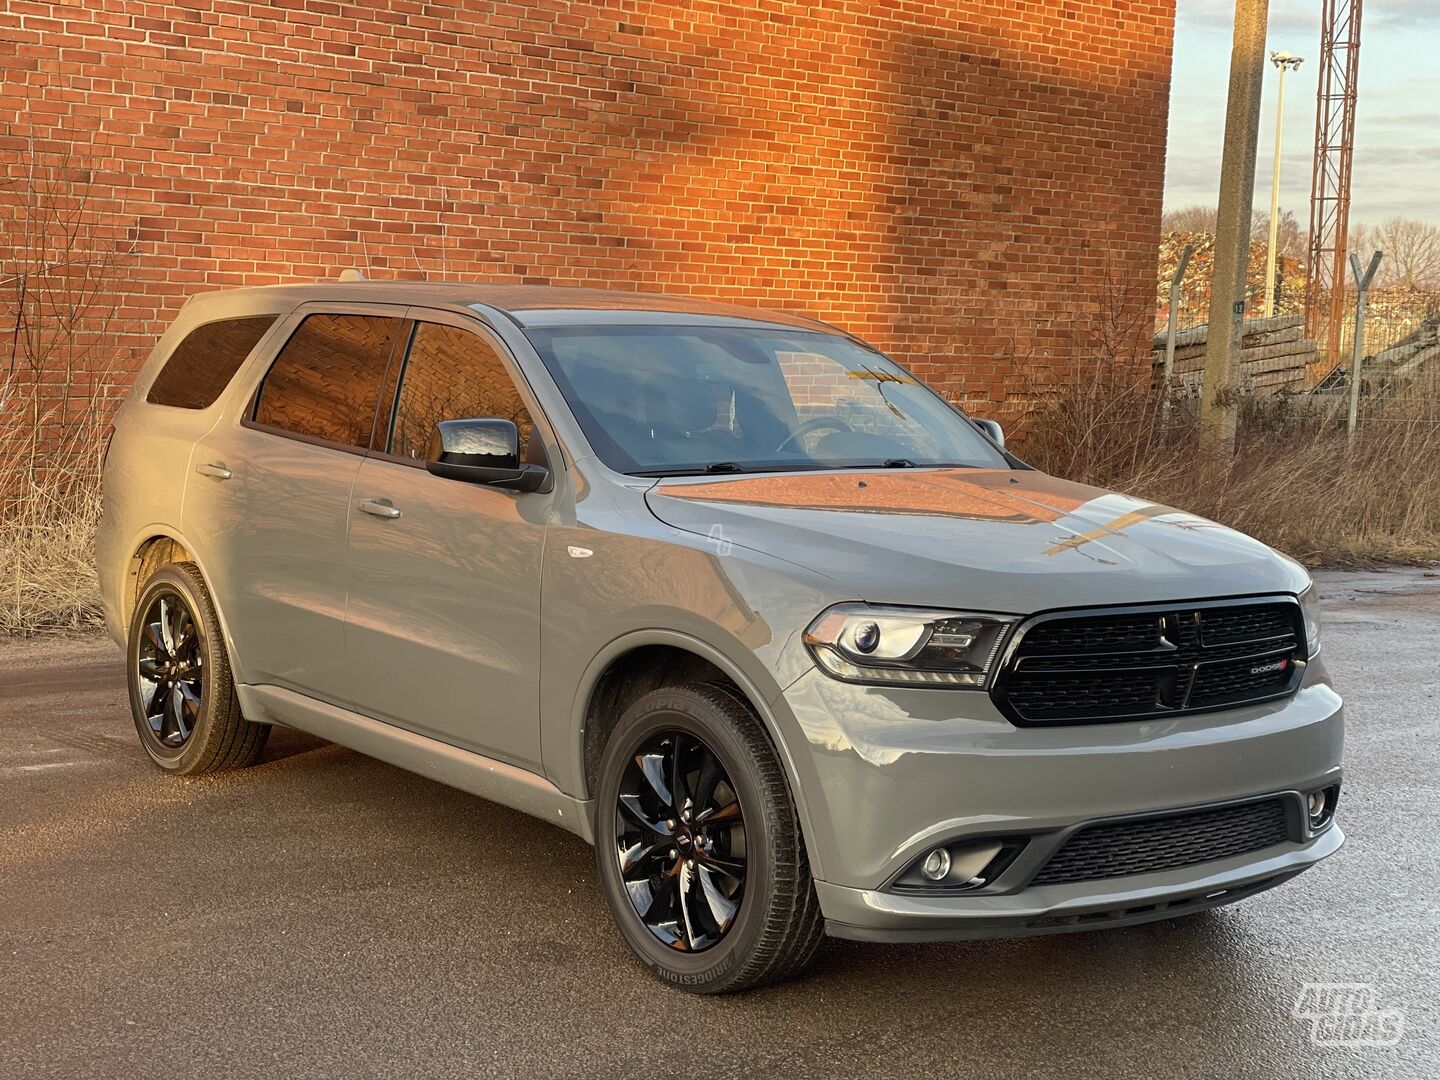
{"type": "Point", "coordinates": [286, 742]}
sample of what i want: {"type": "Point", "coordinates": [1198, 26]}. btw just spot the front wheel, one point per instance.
{"type": "Point", "coordinates": [182, 695]}
{"type": "Point", "coordinates": [698, 845]}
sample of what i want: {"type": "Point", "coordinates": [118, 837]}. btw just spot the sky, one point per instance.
{"type": "Point", "coordinates": [1397, 117]}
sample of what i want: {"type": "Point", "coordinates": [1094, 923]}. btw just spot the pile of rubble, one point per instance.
{"type": "Point", "coordinates": [1393, 367]}
{"type": "Point", "coordinates": [1275, 355]}
{"type": "Point", "coordinates": [1410, 356]}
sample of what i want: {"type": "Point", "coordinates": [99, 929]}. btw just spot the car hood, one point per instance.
{"type": "Point", "coordinates": [985, 539]}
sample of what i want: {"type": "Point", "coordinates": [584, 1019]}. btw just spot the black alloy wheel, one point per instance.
{"type": "Point", "coordinates": [698, 843]}
{"type": "Point", "coordinates": [170, 671]}
{"type": "Point", "coordinates": [680, 841]}
{"type": "Point", "coordinates": [182, 692]}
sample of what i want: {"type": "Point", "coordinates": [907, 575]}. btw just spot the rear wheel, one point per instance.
{"type": "Point", "coordinates": [698, 845]}
{"type": "Point", "coordinates": [182, 695]}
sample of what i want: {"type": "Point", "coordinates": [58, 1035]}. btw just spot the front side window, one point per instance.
{"type": "Point", "coordinates": [325, 384]}
{"type": "Point", "coordinates": [203, 364]}
{"type": "Point", "coordinates": [669, 400]}
{"type": "Point", "coordinates": [451, 374]}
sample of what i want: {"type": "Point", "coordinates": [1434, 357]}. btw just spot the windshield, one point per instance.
{"type": "Point", "coordinates": [671, 400]}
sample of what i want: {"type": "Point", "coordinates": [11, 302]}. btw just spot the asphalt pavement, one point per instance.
{"type": "Point", "coordinates": [325, 915]}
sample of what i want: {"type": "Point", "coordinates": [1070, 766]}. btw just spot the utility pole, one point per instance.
{"type": "Point", "coordinates": [1232, 228]}
{"type": "Point", "coordinates": [1284, 61]}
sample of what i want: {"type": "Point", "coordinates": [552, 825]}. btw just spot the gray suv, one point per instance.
{"type": "Point", "coordinates": [797, 646]}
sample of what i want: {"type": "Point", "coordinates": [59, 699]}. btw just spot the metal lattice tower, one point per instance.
{"type": "Point", "coordinates": [1339, 75]}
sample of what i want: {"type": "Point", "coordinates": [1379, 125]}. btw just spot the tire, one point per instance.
{"type": "Point", "coordinates": [758, 866]}
{"type": "Point", "coordinates": [187, 716]}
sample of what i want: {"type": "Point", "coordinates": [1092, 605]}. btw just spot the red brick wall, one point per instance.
{"type": "Point", "coordinates": [966, 184]}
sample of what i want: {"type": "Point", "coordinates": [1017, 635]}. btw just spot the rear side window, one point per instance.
{"type": "Point", "coordinates": [325, 384]}
{"type": "Point", "coordinates": [204, 363]}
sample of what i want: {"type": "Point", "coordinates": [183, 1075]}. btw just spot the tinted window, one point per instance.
{"type": "Point", "coordinates": [326, 381]}
{"type": "Point", "coordinates": [451, 374]}
{"type": "Point", "coordinates": [204, 363]}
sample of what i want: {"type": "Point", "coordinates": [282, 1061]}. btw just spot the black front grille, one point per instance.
{"type": "Point", "coordinates": [1146, 845]}
{"type": "Point", "coordinates": [1134, 663]}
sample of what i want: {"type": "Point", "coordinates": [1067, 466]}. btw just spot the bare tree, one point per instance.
{"type": "Point", "coordinates": [1412, 252]}
{"type": "Point", "coordinates": [61, 254]}
{"type": "Point", "coordinates": [63, 246]}
{"type": "Point", "coordinates": [1194, 219]}
{"type": "Point", "coordinates": [1289, 244]}
{"type": "Point", "coordinates": [1201, 219]}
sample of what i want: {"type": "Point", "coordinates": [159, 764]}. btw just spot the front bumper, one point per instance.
{"type": "Point", "coordinates": [874, 915]}
{"type": "Point", "coordinates": [884, 775]}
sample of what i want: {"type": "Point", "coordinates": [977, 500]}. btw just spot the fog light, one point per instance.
{"type": "Point", "coordinates": [937, 865]}
{"type": "Point", "coordinates": [959, 866]}
{"type": "Point", "coordinates": [1317, 802]}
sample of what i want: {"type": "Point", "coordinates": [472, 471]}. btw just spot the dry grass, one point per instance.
{"type": "Point", "coordinates": [1292, 484]}
{"type": "Point", "coordinates": [47, 560]}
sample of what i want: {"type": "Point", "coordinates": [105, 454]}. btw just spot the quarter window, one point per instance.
{"type": "Point", "coordinates": [325, 384]}
{"type": "Point", "coordinates": [451, 374]}
{"type": "Point", "coordinates": [203, 364]}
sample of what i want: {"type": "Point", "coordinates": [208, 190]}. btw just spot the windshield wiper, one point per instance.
{"type": "Point", "coordinates": [701, 470]}
{"type": "Point", "coordinates": [906, 463]}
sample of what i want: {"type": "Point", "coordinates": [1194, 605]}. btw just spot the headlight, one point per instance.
{"type": "Point", "coordinates": [914, 646]}
{"type": "Point", "coordinates": [1310, 607]}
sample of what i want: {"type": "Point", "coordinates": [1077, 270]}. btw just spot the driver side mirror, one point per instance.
{"type": "Point", "coordinates": [482, 451]}
{"type": "Point", "coordinates": [992, 429]}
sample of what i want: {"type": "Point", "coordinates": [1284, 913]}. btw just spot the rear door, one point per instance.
{"type": "Point", "coordinates": [270, 495]}
{"type": "Point", "coordinates": [443, 627]}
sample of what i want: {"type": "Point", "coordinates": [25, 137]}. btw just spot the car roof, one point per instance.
{"type": "Point", "coordinates": [525, 305]}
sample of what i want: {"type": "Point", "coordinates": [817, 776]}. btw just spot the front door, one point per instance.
{"type": "Point", "coordinates": [443, 627]}
{"type": "Point", "coordinates": [269, 491]}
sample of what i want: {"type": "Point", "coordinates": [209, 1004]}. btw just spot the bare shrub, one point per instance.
{"type": "Point", "coordinates": [59, 260]}
{"type": "Point", "coordinates": [1292, 482]}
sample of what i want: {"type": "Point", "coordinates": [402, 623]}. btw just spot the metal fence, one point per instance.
{"type": "Point", "coordinates": [1399, 348]}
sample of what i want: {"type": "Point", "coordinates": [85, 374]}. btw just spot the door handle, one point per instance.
{"type": "Point", "coordinates": [381, 508]}
{"type": "Point", "coordinates": [218, 472]}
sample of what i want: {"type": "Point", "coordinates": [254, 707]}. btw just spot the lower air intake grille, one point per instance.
{"type": "Point", "coordinates": [1166, 843]}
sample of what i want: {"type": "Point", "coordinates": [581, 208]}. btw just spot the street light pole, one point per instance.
{"type": "Point", "coordinates": [1284, 61]}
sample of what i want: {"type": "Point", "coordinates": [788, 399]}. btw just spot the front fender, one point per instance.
{"type": "Point", "coordinates": [741, 611]}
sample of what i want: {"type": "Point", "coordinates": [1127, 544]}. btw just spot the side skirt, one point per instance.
{"type": "Point", "coordinates": [490, 779]}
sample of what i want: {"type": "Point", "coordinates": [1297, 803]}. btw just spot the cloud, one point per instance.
{"type": "Point", "coordinates": [1302, 17]}
{"type": "Point", "coordinates": [1287, 17]}
{"type": "Point", "coordinates": [1425, 123]}
{"type": "Point", "coordinates": [1412, 14]}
